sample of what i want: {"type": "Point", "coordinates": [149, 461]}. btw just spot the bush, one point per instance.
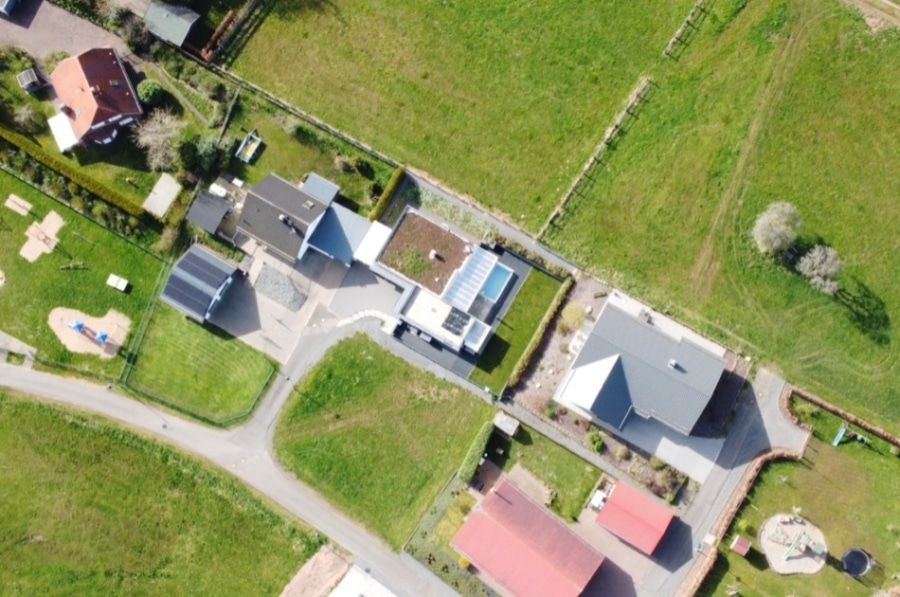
{"type": "Point", "coordinates": [525, 359]}
{"type": "Point", "coordinates": [150, 92]}
{"type": "Point", "coordinates": [550, 411]}
{"type": "Point", "coordinates": [476, 450]}
{"type": "Point", "coordinates": [385, 198]}
{"type": "Point", "coordinates": [596, 440]}
{"type": "Point", "coordinates": [895, 450]}
{"type": "Point", "coordinates": [363, 167]}
{"type": "Point", "coordinates": [573, 314]}
{"type": "Point", "coordinates": [656, 464]}
{"type": "Point", "coordinates": [564, 347]}
{"type": "Point", "coordinates": [623, 453]}
{"type": "Point", "coordinates": [463, 563]}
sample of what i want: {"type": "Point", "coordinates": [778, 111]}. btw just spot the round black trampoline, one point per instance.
{"type": "Point", "coordinates": [856, 562]}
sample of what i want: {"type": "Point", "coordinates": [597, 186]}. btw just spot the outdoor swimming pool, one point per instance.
{"type": "Point", "coordinates": [496, 282]}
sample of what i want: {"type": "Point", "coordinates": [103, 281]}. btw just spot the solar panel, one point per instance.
{"type": "Point", "coordinates": [456, 321]}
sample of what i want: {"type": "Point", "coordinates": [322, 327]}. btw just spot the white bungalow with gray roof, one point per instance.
{"type": "Point", "coordinates": [639, 362]}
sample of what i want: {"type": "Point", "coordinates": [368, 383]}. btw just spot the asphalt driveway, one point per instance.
{"type": "Point", "coordinates": [40, 28]}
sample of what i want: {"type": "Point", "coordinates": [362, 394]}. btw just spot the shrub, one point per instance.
{"type": "Point", "coordinates": [895, 450]}
{"type": "Point", "coordinates": [363, 167]}
{"type": "Point", "coordinates": [573, 315]}
{"type": "Point", "coordinates": [563, 328]}
{"type": "Point", "coordinates": [52, 59]}
{"type": "Point", "coordinates": [550, 410]}
{"type": "Point", "coordinates": [385, 198]}
{"type": "Point", "coordinates": [596, 440]}
{"type": "Point", "coordinates": [463, 563]}
{"type": "Point", "coordinates": [343, 163]}
{"type": "Point", "coordinates": [476, 450]}
{"type": "Point", "coordinates": [564, 347]}
{"type": "Point", "coordinates": [623, 453]}
{"type": "Point", "coordinates": [656, 464]}
{"type": "Point", "coordinates": [670, 497]}
{"type": "Point", "coordinates": [150, 92]}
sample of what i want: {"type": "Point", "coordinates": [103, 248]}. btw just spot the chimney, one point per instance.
{"type": "Point", "coordinates": [673, 364]}
{"type": "Point", "coordinates": [433, 255]}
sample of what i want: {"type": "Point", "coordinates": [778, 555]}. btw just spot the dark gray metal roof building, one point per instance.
{"type": "Point", "coordinates": [279, 215]}
{"type": "Point", "coordinates": [197, 283]}
{"type": "Point", "coordinates": [170, 22]}
{"type": "Point", "coordinates": [207, 211]}
{"type": "Point", "coordinates": [631, 363]}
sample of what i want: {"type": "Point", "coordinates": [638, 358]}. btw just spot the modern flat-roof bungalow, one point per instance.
{"type": "Point", "coordinates": [452, 284]}
{"type": "Point", "coordinates": [639, 362]}
{"type": "Point", "coordinates": [95, 99]}
{"type": "Point", "coordinates": [197, 283]}
{"type": "Point", "coordinates": [288, 220]}
{"type": "Point", "coordinates": [522, 549]}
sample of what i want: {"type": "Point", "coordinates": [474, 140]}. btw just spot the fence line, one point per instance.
{"type": "Point", "coordinates": [629, 111]}
{"type": "Point", "coordinates": [684, 30]}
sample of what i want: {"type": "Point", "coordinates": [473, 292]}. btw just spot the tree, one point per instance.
{"type": "Point", "coordinates": [155, 135]}
{"type": "Point", "coordinates": [776, 228]}
{"type": "Point", "coordinates": [26, 118]}
{"type": "Point", "coordinates": [150, 92]}
{"type": "Point", "coordinates": [821, 266]}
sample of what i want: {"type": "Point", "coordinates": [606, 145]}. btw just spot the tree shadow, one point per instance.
{"type": "Point", "coordinates": [866, 311]}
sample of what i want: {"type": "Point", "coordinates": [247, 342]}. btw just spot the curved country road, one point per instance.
{"type": "Point", "coordinates": [244, 451]}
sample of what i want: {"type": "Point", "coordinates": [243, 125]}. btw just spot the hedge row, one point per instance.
{"type": "Point", "coordinates": [476, 450]}
{"type": "Point", "coordinates": [62, 167]}
{"type": "Point", "coordinates": [535, 341]}
{"type": "Point", "coordinates": [388, 192]}
{"type": "Point", "coordinates": [529, 255]}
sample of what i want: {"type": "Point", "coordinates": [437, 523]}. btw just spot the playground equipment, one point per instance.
{"type": "Point", "coordinates": [246, 151]}
{"type": "Point", "coordinates": [857, 562]}
{"type": "Point", "coordinates": [839, 436]}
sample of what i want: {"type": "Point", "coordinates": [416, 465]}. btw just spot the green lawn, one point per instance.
{"type": "Point", "coordinates": [515, 331]}
{"type": "Point", "coordinates": [568, 476]}
{"type": "Point", "coordinates": [849, 492]}
{"type": "Point", "coordinates": [201, 370]}
{"type": "Point", "coordinates": [87, 508]}
{"type": "Point", "coordinates": [292, 150]}
{"type": "Point", "coordinates": [32, 290]}
{"type": "Point", "coordinates": [785, 102]}
{"type": "Point", "coordinates": [377, 436]}
{"type": "Point", "coordinates": [503, 100]}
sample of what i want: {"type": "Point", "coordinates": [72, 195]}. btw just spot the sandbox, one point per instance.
{"type": "Point", "coordinates": [792, 545]}
{"type": "Point", "coordinates": [116, 325]}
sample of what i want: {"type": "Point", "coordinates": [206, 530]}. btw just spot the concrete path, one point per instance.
{"type": "Point", "coordinates": [40, 28]}
{"type": "Point", "coordinates": [11, 344]}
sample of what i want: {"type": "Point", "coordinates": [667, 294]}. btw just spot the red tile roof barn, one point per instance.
{"type": "Point", "coordinates": [635, 517]}
{"type": "Point", "coordinates": [95, 88]}
{"type": "Point", "coordinates": [524, 548]}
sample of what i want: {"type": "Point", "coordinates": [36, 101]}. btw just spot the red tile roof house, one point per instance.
{"type": "Point", "coordinates": [635, 518]}
{"type": "Point", "coordinates": [521, 549]}
{"type": "Point", "coordinates": [95, 98]}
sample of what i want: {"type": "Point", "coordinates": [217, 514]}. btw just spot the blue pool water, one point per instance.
{"type": "Point", "coordinates": [496, 282]}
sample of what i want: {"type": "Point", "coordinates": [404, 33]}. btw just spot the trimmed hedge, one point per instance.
{"type": "Point", "coordinates": [470, 463]}
{"type": "Point", "coordinates": [528, 255]}
{"type": "Point", "coordinates": [387, 193]}
{"type": "Point", "coordinates": [64, 168]}
{"type": "Point", "coordinates": [535, 341]}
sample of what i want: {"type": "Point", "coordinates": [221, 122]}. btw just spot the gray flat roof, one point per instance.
{"type": "Point", "coordinates": [207, 211]}
{"type": "Point", "coordinates": [171, 22]}
{"type": "Point", "coordinates": [195, 282]}
{"type": "Point", "coordinates": [642, 377]}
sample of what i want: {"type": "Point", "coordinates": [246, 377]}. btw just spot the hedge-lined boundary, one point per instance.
{"type": "Point", "coordinates": [470, 463]}
{"type": "Point", "coordinates": [533, 258]}
{"type": "Point", "coordinates": [61, 167]}
{"type": "Point", "coordinates": [535, 341]}
{"type": "Point", "coordinates": [388, 192]}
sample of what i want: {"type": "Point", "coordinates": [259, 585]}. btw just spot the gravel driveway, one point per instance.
{"type": "Point", "coordinates": [40, 28]}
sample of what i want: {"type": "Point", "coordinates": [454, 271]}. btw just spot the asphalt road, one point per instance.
{"type": "Point", "coordinates": [244, 451]}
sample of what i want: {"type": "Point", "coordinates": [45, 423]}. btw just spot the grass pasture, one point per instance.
{"type": "Point", "coordinates": [848, 492]}
{"type": "Point", "coordinates": [504, 101]}
{"type": "Point", "coordinates": [32, 290]}
{"type": "Point", "coordinates": [200, 370]}
{"type": "Point", "coordinates": [776, 101]}
{"type": "Point", "coordinates": [91, 509]}
{"type": "Point", "coordinates": [517, 327]}
{"type": "Point", "coordinates": [376, 436]}
{"type": "Point", "coordinates": [568, 476]}
{"type": "Point", "coordinates": [292, 150]}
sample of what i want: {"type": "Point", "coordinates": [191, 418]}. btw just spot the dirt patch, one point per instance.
{"type": "Point", "coordinates": [116, 325]}
{"type": "Point", "coordinates": [319, 575]}
{"type": "Point", "coordinates": [2, 278]}
{"type": "Point", "coordinates": [409, 252]}
{"type": "Point", "coordinates": [529, 484]}
{"type": "Point", "coordinates": [17, 204]}
{"type": "Point", "coordinates": [42, 237]}
{"type": "Point", "coordinates": [879, 14]}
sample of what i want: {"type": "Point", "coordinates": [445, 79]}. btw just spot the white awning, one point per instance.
{"type": "Point", "coordinates": [62, 132]}
{"type": "Point", "coordinates": [372, 244]}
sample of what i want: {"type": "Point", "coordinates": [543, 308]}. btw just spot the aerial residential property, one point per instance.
{"type": "Point", "coordinates": [416, 298]}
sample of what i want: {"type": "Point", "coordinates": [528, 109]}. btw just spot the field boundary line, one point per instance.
{"type": "Point", "coordinates": [629, 112]}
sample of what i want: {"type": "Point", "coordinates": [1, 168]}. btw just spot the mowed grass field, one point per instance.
{"type": "Point", "coordinates": [517, 327]}
{"type": "Point", "coordinates": [87, 508]}
{"type": "Point", "coordinates": [776, 102]}
{"type": "Point", "coordinates": [849, 492]}
{"type": "Point", "coordinates": [503, 100]}
{"type": "Point", "coordinates": [377, 436]}
{"type": "Point", "coordinates": [198, 369]}
{"type": "Point", "coordinates": [32, 290]}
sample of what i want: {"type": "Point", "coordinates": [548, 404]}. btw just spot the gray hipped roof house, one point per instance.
{"type": "Point", "coordinates": [639, 361]}
{"type": "Point", "coordinates": [197, 283]}
{"type": "Point", "coordinates": [170, 22]}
